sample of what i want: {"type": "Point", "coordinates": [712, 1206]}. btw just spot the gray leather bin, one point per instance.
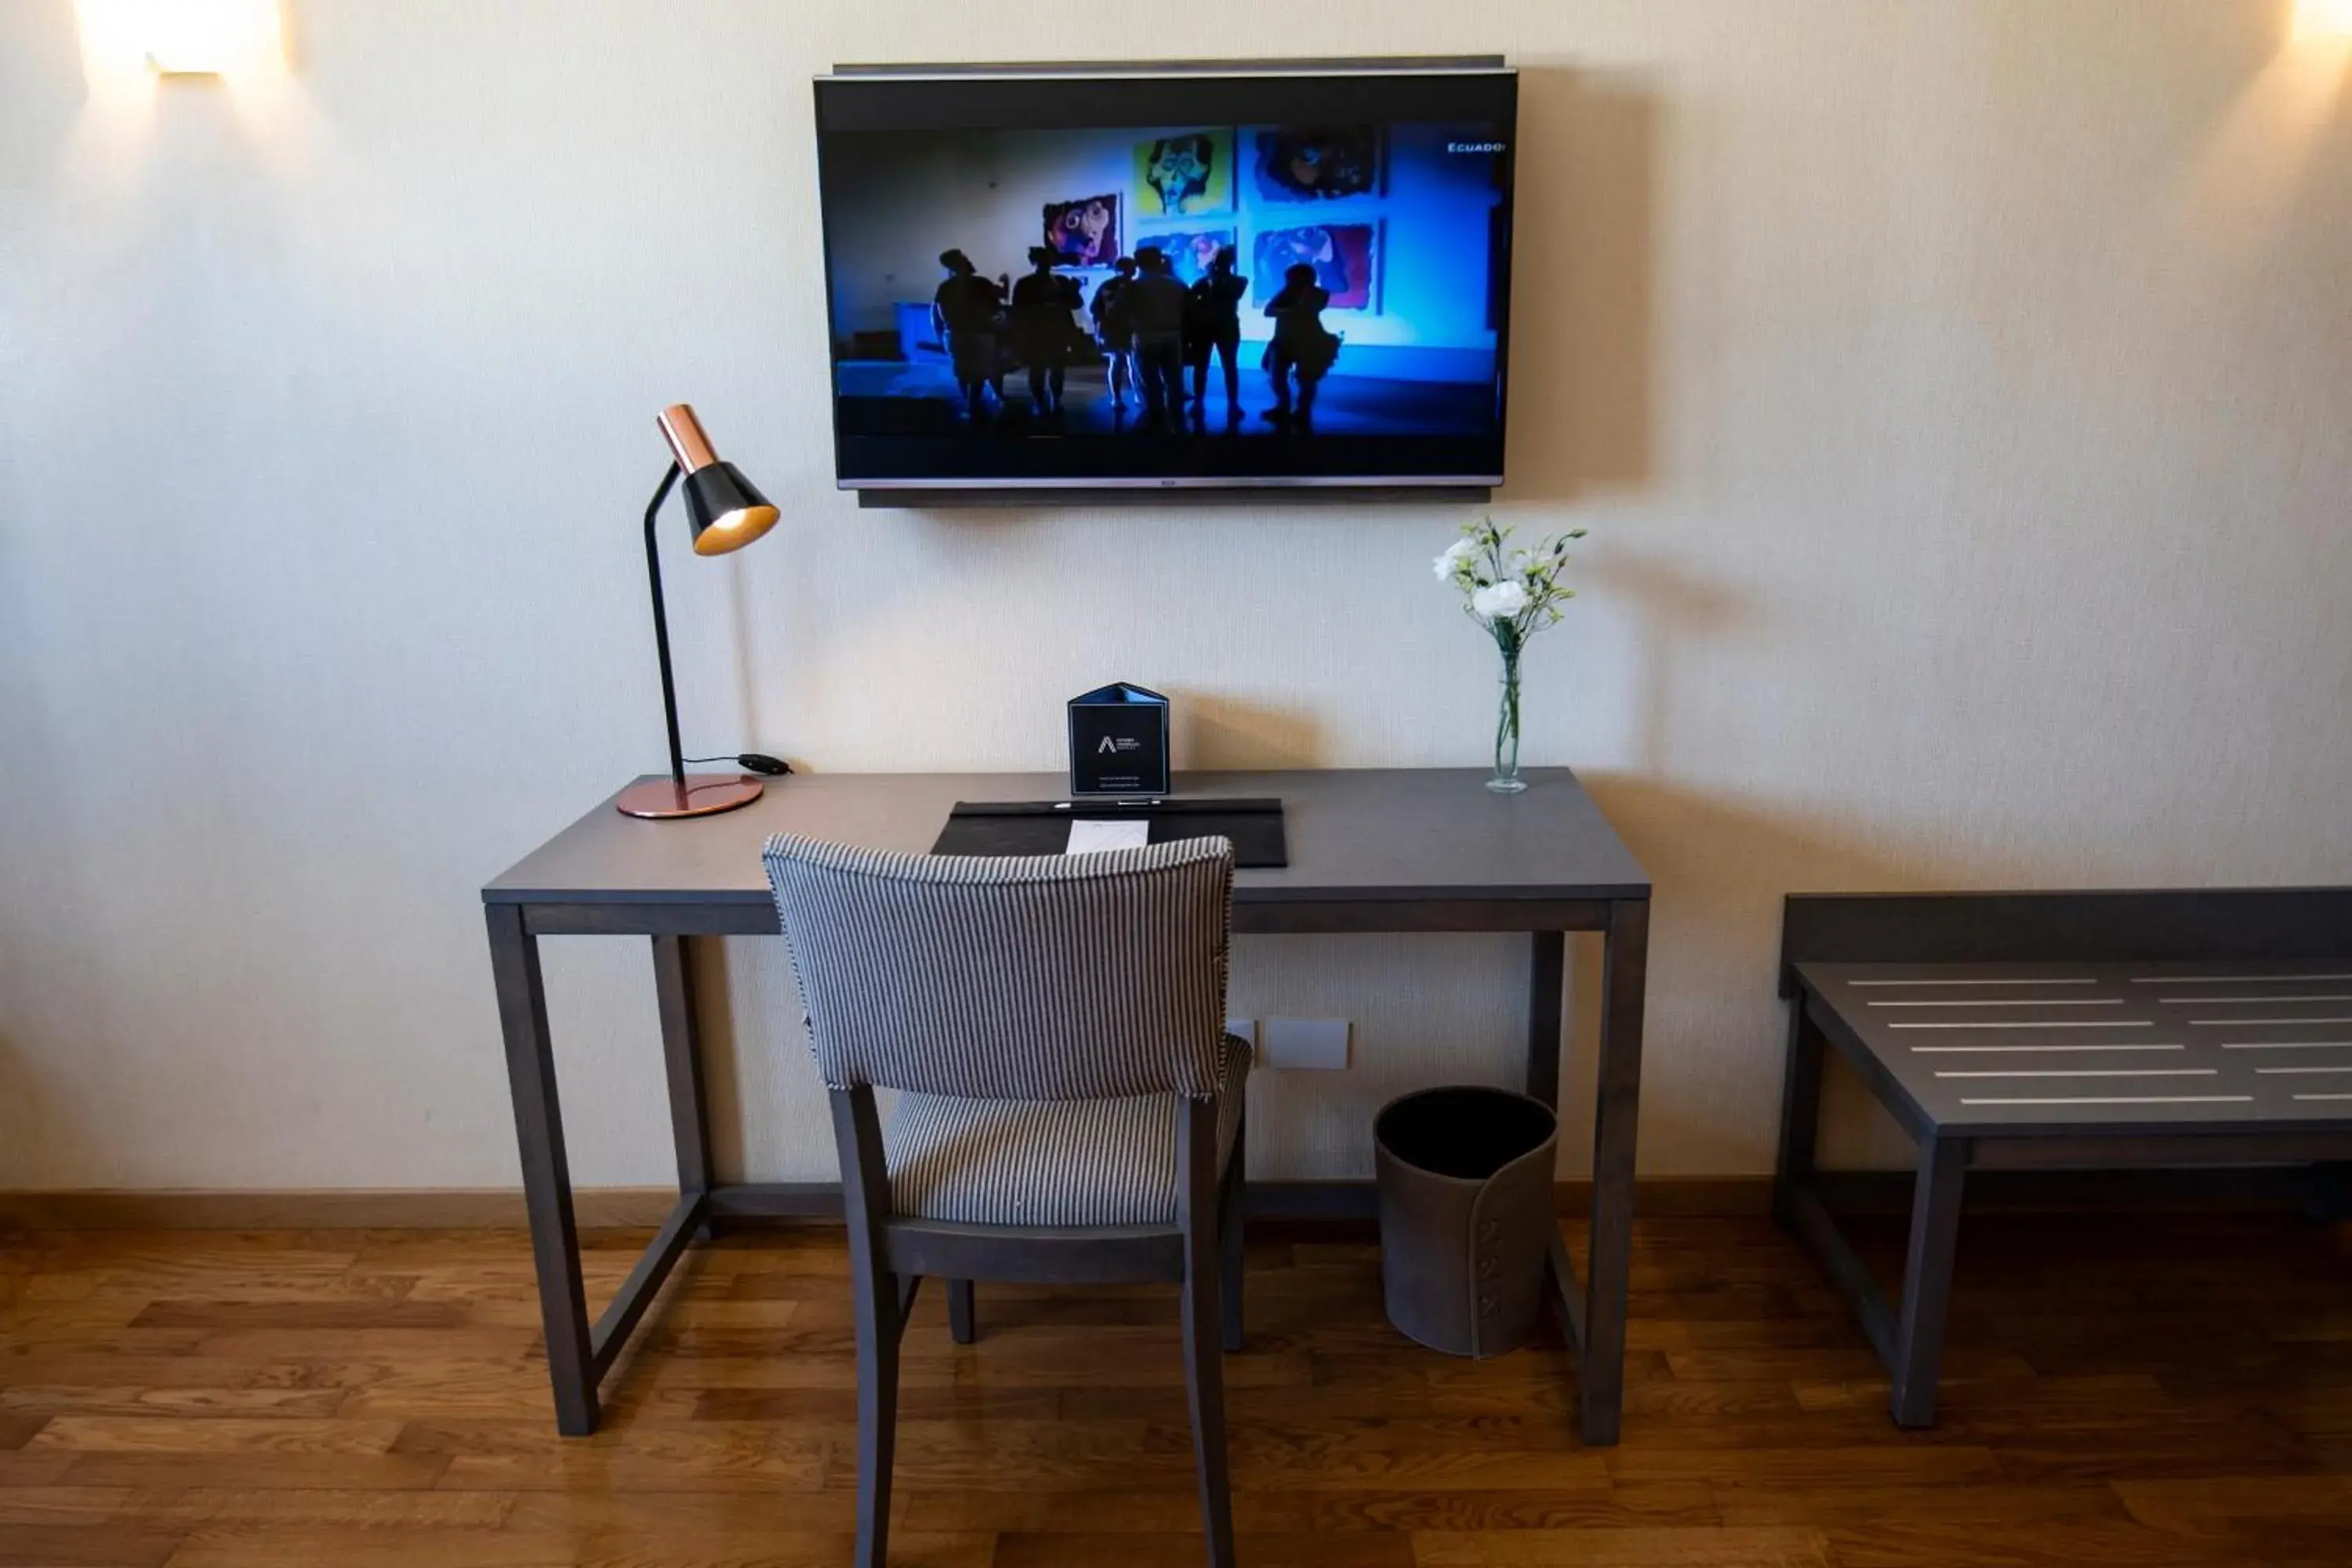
{"type": "Point", "coordinates": [1466, 1220]}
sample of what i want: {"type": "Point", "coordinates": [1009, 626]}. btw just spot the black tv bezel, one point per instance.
{"type": "Point", "coordinates": [1090, 95]}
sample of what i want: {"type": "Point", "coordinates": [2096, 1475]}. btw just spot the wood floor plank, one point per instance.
{"type": "Point", "coordinates": [37, 1401]}
{"type": "Point", "coordinates": [214, 1434]}
{"type": "Point", "coordinates": [2120, 1390]}
{"type": "Point", "coordinates": [38, 1468]}
{"type": "Point", "coordinates": [1998, 1508]}
{"type": "Point", "coordinates": [100, 1545]}
{"type": "Point", "coordinates": [1258, 1551]}
{"type": "Point", "coordinates": [308, 1546]}
{"type": "Point", "coordinates": [277, 1470]}
{"type": "Point", "coordinates": [1126, 1508]}
{"type": "Point", "coordinates": [1913, 1543]}
{"type": "Point", "coordinates": [64, 1505]}
{"type": "Point", "coordinates": [730, 1521]}
{"type": "Point", "coordinates": [326, 1508]}
{"type": "Point", "coordinates": [2198, 1506]}
{"type": "Point", "coordinates": [364, 1312]}
{"type": "Point", "coordinates": [525, 1454]}
{"type": "Point", "coordinates": [1504, 1510]}
{"type": "Point", "coordinates": [1672, 1546]}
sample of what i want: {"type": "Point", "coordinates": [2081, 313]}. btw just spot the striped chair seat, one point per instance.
{"type": "Point", "coordinates": [1049, 1025]}
{"type": "Point", "coordinates": [1049, 1162]}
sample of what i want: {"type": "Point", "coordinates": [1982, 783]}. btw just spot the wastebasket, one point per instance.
{"type": "Point", "coordinates": [1466, 1218]}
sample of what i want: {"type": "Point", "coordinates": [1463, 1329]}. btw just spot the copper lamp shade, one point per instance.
{"type": "Point", "coordinates": [726, 511]}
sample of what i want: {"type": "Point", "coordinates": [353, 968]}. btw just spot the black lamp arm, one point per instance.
{"type": "Point", "coordinates": [661, 626]}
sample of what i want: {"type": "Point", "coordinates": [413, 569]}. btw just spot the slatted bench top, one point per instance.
{"type": "Point", "coordinates": [2069, 1049]}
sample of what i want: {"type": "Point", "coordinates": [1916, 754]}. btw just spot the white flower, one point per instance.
{"type": "Point", "coordinates": [1458, 551]}
{"type": "Point", "coordinates": [1499, 601]}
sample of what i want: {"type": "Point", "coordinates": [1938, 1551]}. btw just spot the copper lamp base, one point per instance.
{"type": "Point", "coordinates": [703, 794]}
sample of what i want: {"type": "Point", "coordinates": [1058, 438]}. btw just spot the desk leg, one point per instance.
{"type": "Point", "coordinates": [546, 1174]}
{"type": "Point", "coordinates": [689, 1110]}
{"type": "Point", "coordinates": [1601, 1381]}
{"type": "Point", "coordinates": [1546, 974]}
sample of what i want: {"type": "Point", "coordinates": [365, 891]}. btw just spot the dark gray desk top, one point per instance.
{"type": "Point", "coordinates": [2047, 1049]}
{"type": "Point", "coordinates": [1355, 834]}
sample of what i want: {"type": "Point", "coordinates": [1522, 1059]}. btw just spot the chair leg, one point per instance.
{"type": "Point", "coordinates": [1230, 1236]}
{"type": "Point", "coordinates": [961, 1322]}
{"type": "Point", "coordinates": [875, 1296]}
{"type": "Point", "coordinates": [877, 1417]}
{"type": "Point", "coordinates": [1204, 1372]}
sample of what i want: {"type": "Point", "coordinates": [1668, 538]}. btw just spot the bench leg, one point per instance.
{"type": "Point", "coordinates": [2330, 1197]}
{"type": "Point", "coordinates": [1801, 1113]}
{"type": "Point", "coordinates": [1927, 1279]}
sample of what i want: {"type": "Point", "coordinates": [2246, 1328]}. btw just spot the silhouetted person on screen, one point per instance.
{"type": "Point", "coordinates": [1212, 324]}
{"type": "Point", "coordinates": [1043, 326]}
{"type": "Point", "coordinates": [1115, 325]}
{"type": "Point", "coordinates": [1156, 303]}
{"type": "Point", "coordinates": [964, 313]}
{"type": "Point", "coordinates": [1301, 345]}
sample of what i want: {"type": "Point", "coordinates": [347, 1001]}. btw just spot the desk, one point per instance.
{"type": "Point", "coordinates": [1370, 851]}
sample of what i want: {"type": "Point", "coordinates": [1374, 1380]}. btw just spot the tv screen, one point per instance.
{"type": "Point", "coordinates": [1091, 277]}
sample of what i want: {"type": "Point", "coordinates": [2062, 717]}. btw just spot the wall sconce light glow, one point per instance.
{"type": "Point", "coordinates": [2323, 19]}
{"type": "Point", "coordinates": [181, 37]}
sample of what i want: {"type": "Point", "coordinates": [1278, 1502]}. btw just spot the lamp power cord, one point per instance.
{"type": "Point", "coordinates": [752, 763]}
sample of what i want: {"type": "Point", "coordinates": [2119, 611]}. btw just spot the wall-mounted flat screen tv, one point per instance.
{"type": "Point", "coordinates": [1206, 277]}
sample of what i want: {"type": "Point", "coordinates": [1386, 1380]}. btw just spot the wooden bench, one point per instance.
{"type": "Point", "coordinates": [2055, 1030]}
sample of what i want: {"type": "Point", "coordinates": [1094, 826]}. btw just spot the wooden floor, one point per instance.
{"type": "Point", "coordinates": [2122, 1391]}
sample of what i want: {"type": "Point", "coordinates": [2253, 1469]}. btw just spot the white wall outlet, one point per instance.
{"type": "Point", "coordinates": [1306, 1045]}
{"type": "Point", "coordinates": [1245, 1027]}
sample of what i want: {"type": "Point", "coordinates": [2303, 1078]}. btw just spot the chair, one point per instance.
{"type": "Point", "coordinates": [1069, 1109]}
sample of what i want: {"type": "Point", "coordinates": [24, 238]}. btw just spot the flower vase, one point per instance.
{"type": "Point", "coordinates": [1506, 779]}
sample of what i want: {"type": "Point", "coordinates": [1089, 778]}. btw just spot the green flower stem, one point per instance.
{"type": "Point", "coordinates": [1506, 717]}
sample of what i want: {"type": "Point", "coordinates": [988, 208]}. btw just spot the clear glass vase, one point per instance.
{"type": "Point", "coordinates": [1506, 779]}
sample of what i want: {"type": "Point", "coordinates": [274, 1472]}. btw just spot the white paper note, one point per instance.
{"type": "Point", "coordinates": [1087, 835]}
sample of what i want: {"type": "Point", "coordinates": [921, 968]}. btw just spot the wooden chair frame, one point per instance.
{"type": "Point", "coordinates": [890, 1255]}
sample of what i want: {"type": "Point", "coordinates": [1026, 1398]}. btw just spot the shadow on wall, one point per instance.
{"type": "Point", "coordinates": [722, 1047]}
{"type": "Point", "coordinates": [1583, 263]}
{"type": "Point", "coordinates": [1717, 1026]}
{"type": "Point", "coordinates": [31, 1140]}
{"type": "Point", "coordinates": [1216, 731]}
{"type": "Point", "coordinates": [1673, 609]}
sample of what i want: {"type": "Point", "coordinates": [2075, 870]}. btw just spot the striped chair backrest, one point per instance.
{"type": "Point", "coordinates": [1010, 977]}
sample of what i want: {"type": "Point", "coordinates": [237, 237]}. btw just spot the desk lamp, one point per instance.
{"type": "Point", "coordinates": [726, 512]}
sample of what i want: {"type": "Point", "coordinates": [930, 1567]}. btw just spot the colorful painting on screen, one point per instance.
{"type": "Point", "coordinates": [1185, 176]}
{"type": "Point", "coordinates": [1318, 163]}
{"type": "Point", "coordinates": [1346, 258]}
{"type": "Point", "coordinates": [1084, 233]}
{"type": "Point", "coordinates": [1189, 252]}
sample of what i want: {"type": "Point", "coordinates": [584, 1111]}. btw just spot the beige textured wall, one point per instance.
{"type": "Point", "coordinates": [1956, 394]}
